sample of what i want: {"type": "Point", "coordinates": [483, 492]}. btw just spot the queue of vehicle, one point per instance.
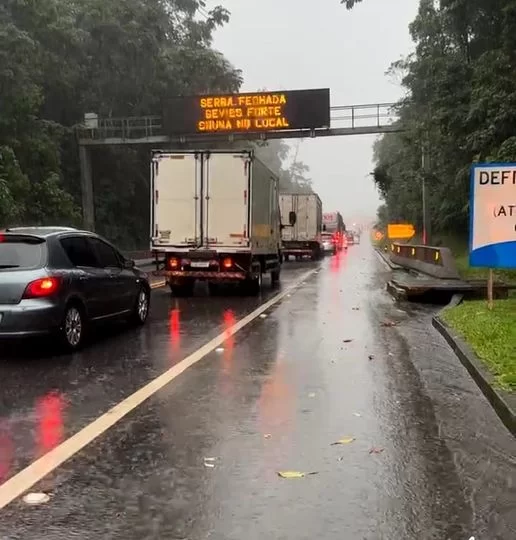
{"type": "Point", "coordinates": [216, 216]}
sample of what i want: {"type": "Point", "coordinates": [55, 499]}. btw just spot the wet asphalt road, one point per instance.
{"type": "Point", "coordinates": [321, 366]}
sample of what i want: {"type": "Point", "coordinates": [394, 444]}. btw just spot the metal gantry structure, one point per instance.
{"type": "Point", "coordinates": [369, 119]}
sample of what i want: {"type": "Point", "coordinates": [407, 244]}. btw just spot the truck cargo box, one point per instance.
{"type": "Point", "coordinates": [304, 237]}
{"type": "Point", "coordinates": [214, 206]}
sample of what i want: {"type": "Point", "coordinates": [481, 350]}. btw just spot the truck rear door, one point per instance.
{"type": "Point", "coordinates": [176, 209]}
{"type": "Point", "coordinates": [226, 181]}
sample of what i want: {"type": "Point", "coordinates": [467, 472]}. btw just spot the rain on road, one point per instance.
{"type": "Point", "coordinates": [199, 460]}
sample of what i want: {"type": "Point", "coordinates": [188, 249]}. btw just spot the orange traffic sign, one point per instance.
{"type": "Point", "coordinates": [400, 231]}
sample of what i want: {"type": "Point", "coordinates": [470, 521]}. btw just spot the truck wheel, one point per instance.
{"type": "Point", "coordinates": [253, 285]}
{"type": "Point", "coordinates": [183, 290]}
{"type": "Point", "coordinates": [275, 276]}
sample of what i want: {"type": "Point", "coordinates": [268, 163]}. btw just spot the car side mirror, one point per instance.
{"type": "Point", "coordinates": [129, 264]}
{"type": "Point", "coordinates": [292, 218]}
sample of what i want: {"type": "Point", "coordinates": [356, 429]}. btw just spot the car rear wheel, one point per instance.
{"type": "Point", "coordinates": [141, 309]}
{"type": "Point", "coordinates": [73, 329]}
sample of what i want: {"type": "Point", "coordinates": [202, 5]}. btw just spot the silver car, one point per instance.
{"type": "Point", "coordinates": [56, 280]}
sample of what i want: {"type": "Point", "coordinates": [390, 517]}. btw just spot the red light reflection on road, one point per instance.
{"type": "Point", "coordinates": [6, 450]}
{"type": "Point", "coordinates": [175, 328]}
{"type": "Point", "coordinates": [277, 402]}
{"type": "Point", "coordinates": [229, 321]}
{"type": "Point", "coordinates": [49, 410]}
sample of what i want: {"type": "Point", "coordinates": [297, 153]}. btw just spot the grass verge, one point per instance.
{"type": "Point", "coordinates": [491, 334]}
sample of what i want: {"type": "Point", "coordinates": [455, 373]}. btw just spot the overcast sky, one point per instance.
{"type": "Point", "coordinates": [295, 44]}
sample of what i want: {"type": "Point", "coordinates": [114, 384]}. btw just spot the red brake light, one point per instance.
{"type": "Point", "coordinates": [173, 263]}
{"type": "Point", "coordinates": [227, 262]}
{"type": "Point", "coordinates": [41, 288]}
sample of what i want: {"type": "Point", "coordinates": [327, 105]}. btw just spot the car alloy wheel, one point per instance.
{"type": "Point", "coordinates": [73, 327]}
{"type": "Point", "coordinates": [142, 306]}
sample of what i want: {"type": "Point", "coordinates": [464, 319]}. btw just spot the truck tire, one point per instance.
{"type": "Point", "coordinates": [275, 276]}
{"type": "Point", "coordinates": [253, 285]}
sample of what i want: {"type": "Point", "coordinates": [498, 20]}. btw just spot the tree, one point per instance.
{"type": "Point", "coordinates": [460, 106]}
{"type": "Point", "coordinates": [276, 154]}
{"type": "Point", "coordinates": [62, 58]}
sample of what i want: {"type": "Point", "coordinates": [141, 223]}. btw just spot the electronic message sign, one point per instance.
{"type": "Point", "coordinates": [400, 231]}
{"type": "Point", "coordinates": [248, 112]}
{"type": "Point", "coordinates": [493, 216]}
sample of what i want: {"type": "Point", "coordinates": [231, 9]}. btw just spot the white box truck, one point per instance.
{"type": "Point", "coordinates": [304, 237]}
{"type": "Point", "coordinates": [215, 218]}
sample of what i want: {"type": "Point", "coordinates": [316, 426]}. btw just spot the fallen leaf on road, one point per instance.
{"type": "Point", "coordinates": [376, 450]}
{"type": "Point", "coordinates": [345, 440]}
{"type": "Point", "coordinates": [294, 474]}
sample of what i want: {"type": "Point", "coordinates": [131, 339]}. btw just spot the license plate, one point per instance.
{"type": "Point", "coordinates": [200, 264]}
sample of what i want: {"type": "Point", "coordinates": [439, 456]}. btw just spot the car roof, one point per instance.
{"type": "Point", "coordinates": [42, 232]}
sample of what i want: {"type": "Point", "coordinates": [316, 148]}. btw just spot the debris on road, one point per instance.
{"type": "Point", "coordinates": [376, 450]}
{"type": "Point", "coordinates": [345, 440]}
{"type": "Point", "coordinates": [209, 462]}
{"type": "Point", "coordinates": [36, 498]}
{"type": "Point", "coordinates": [267, 436]}
{"type": "Point", "coordinates": [356, 309]}
{"type": "Point", "coordinates": [358, 415]}
{"type": "Point", "coordinates": [389, 324]}
{"type": "Point", "coordinates": [371, 357]}
{"type": "Point", "coordinates": [263, 316]}
{"type": "Point", "coordinates": [311, 395]}
{"type": "Point", "coordinates": [347, 340]}
{"type": "Point", "coordinates": [219, 349]}
{"type": "Point", "coordinates": [294, 474]}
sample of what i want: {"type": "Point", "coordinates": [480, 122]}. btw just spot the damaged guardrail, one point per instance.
{"type": "Point", "coordinates": [434, 261]}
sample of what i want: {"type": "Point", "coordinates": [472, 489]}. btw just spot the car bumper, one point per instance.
{"type": "Point", "coordinates": [29, 318]}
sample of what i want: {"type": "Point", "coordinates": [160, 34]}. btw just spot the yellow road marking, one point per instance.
{"type": "Point", "coordinates": [28, 477]}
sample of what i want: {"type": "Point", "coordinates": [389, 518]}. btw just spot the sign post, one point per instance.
{"type": "Point", "coordinates": [493, 219]}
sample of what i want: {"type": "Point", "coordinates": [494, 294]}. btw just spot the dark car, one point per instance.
{"type": "Point", "coordinates": [56, 280]}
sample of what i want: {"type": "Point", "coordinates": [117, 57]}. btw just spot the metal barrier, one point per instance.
{"type": "Point", "coordinates": [434, 261]}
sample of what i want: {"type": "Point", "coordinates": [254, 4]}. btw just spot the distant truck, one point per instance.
{"type": "Point", "coordinates": [303, 238]}
{"type": "Point", "coordinates": [333, 223]}
{"type": "Point", "coordinates": [214, 218]}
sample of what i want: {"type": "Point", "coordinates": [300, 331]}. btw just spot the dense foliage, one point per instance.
{"type": "Point", "coordinates": [460, 108]}
{"type": "Point", "coordinates": [62, 58]}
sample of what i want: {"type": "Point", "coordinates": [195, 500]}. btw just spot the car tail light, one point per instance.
{"type": "Point", "coordinates": [173, 263]}
{"type": "Point", "coordinates": [42, 288]}
{"type": "Point", "coordinates": [227, 262]}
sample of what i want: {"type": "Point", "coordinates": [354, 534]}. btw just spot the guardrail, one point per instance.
{"type": "Point", "coordinates": [434, 261]}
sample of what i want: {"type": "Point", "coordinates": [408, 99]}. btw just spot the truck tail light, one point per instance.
{"type": "Point", "coordinates": [173, 263]}
{"type": "Point", "coordinates": [227, 263]}
{"type": "Point", "coordinates": [42, 288]}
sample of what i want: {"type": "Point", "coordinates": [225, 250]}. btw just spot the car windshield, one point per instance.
{"type": "Point", "coordinates": [19, 254]}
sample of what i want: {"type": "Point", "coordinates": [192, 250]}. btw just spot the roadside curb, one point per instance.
{"type": "Point", "coordinates": [503, 403]}
{"type": "Point", "coordinates": [386, 260]}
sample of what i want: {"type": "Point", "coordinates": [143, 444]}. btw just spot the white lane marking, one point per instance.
{"type": "Point", "coordinates": [37, 470]}
{"type": "Point", "coordinates": [158, 284]}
